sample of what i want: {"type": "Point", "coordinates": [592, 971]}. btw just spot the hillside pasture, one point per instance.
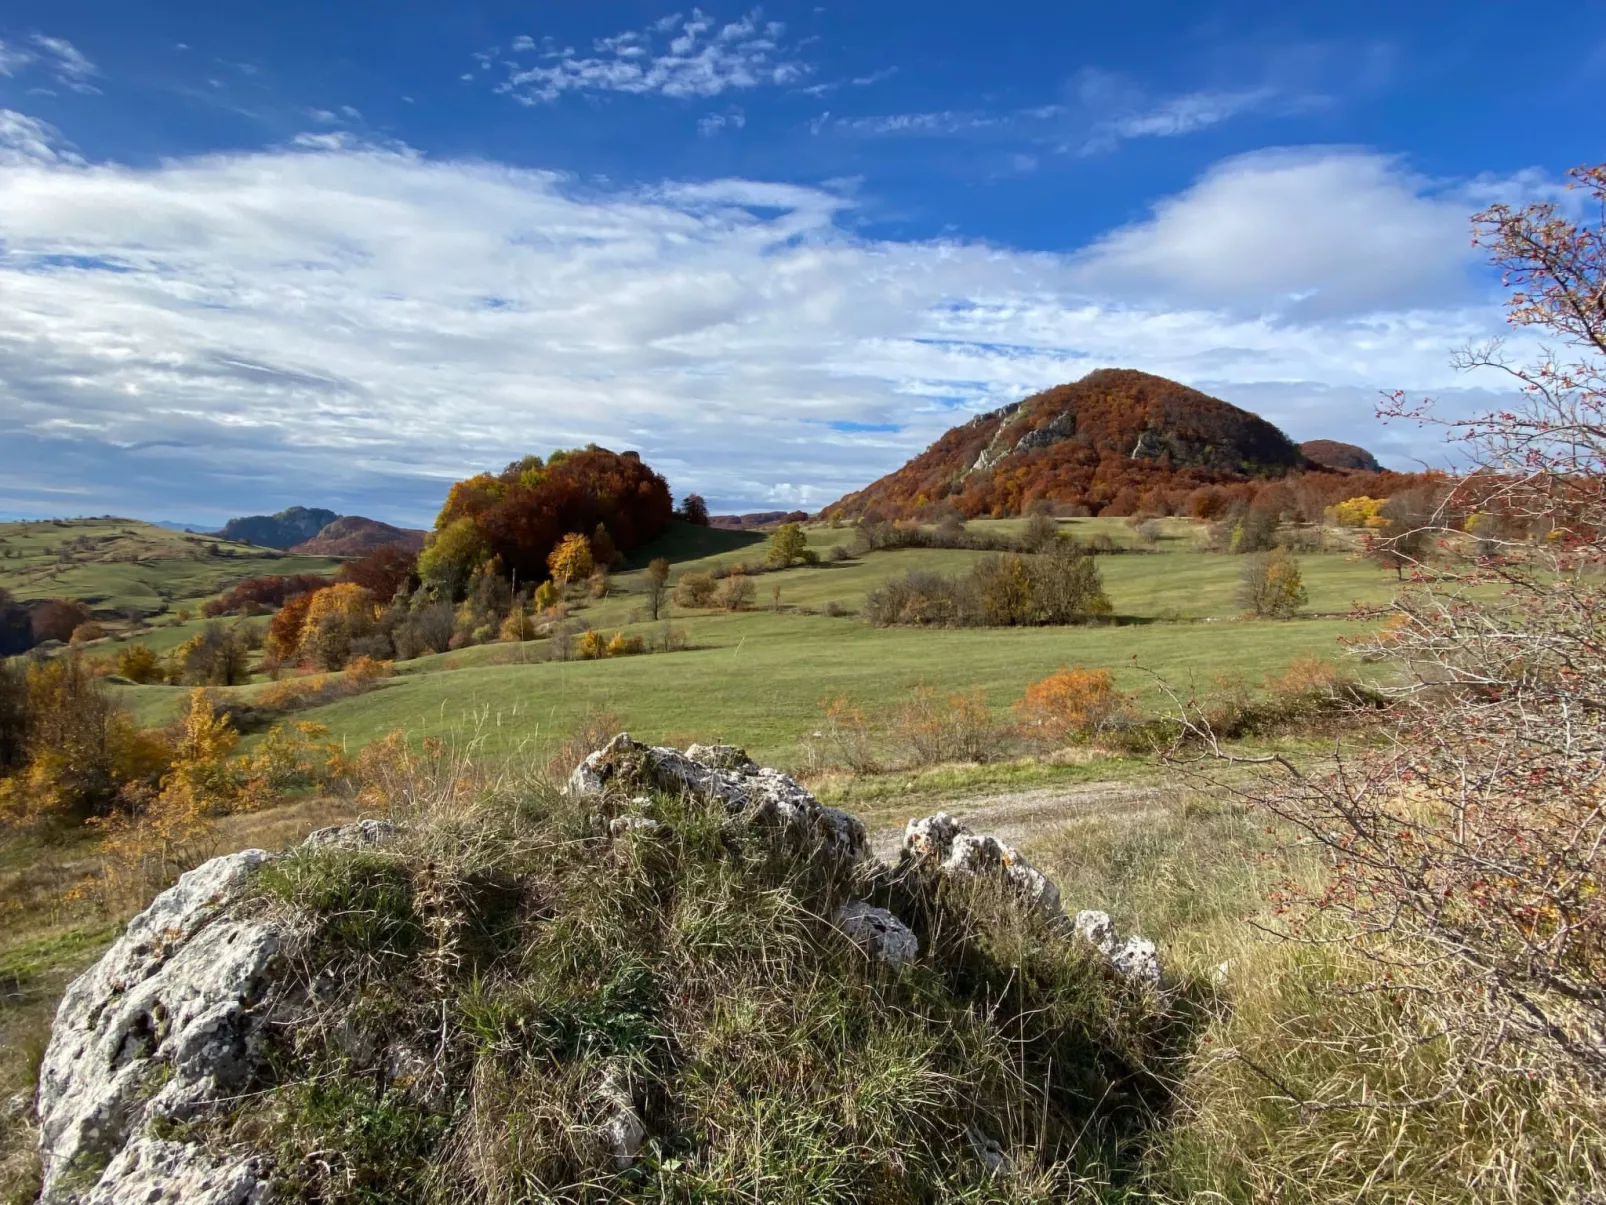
{"type": "Point", "coordinates": [122, 567]}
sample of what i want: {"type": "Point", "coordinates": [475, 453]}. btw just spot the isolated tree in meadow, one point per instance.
{"type": "Point", "coordinates": [657, 586]}
{"type": "Point", "coordinates": [695, 510]}
{"type": "Point", "coordinates": [787, 545]}
{"type": "Point", "coordinates": [1271, 586]}
{"type": "Point", "coordinates": [1468, 858]}
{"type": "Point", "coordinates": [571, 560]}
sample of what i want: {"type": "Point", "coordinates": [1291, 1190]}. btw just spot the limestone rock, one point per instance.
{"type": "Point", "coordinates": [726, 774]}
{"type": "Point", "coordinates": [954, 850]}
{"type": "Point", "coordinates": [164, 1023]}
{"type": "Point", "coordinates": [360, 834]}
{"type": "Point", "coordinates": [622, 1129]}
{"type": "Point", "coordinates": [879, 933]}
{"type": "Point", "coordinates": [1135, 960]}
{"type": "Point", "coordinates": [152, 1171]}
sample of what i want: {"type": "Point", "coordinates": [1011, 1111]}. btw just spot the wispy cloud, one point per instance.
{"type": "Point", "coordinates": [676, 56]}
{"type": "Point", "coordinates": [946, 122]}
{"type": "Point", "coordinates": [13, 59]}
{"type": "Point", "coordinates": [1175, 116]}
{"type": "Point", "coordinates": [67, 63]}
{"type": "Point", "coordinates": [25, 139]}
{"type": "Point", "coordinates": [715, 122]}
{"type": "Point", "coordinates": [858, 81]}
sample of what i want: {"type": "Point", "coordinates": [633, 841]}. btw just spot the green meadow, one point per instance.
{"type": "Point", "coordinates": [760, 678]}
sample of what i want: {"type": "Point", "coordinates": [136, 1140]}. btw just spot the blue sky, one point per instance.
{"type": "Point", "coordinates": [341, 254]}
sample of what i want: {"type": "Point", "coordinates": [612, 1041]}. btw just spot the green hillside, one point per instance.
{"type": "Point", "coordinates": [122, 567]}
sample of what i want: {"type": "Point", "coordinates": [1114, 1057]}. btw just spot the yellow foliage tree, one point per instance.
{"type": "Point", "coordinates": [571, 560]}
{"type": "Point", "coordinates": [138, 664]}
{"type": "Point", "coordinates": [1359, 512]}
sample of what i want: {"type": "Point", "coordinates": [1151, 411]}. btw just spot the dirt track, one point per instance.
{"type": "Point", "coordinates": [1015, 817]}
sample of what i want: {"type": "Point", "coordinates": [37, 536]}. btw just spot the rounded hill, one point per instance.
{"type": "Point", "coordinates": [1105, 442]}
{"type": "Point", "coordinates": [1331, 454]}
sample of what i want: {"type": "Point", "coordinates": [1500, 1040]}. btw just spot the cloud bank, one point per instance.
{"type": "Point", "coordinates": [332, 323]}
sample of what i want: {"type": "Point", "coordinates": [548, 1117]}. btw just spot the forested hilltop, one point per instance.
{"type": "Point", "coordinates": [1117, 442]}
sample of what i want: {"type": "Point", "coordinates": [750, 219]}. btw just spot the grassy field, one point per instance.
{"type": "Point", "coordinates": [122, 567]}
{"type": "Point", "coordinates": [758, 678]}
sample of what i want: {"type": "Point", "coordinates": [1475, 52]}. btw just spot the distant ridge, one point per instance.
{"type": "Point", "coordinates": [1105, 442]}
{"type": "Point", "coordinates": [763, 518]}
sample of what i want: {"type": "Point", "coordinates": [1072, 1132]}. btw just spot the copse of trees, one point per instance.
{"type": "Point", "coordinates": [1059, 586]}
{"type": "Point", "coordinates": [520, 516]}
{"type": "Point", "coordinates": [258, 595]}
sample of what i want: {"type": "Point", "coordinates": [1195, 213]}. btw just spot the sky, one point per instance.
{"type": "Point", "coordinates": [341, 254]}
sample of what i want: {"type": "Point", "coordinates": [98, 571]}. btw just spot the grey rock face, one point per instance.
{"type": "Point", "coordinates": [163, 1024]}
{"type": "Point", "coordinates": [360, 834]}
{"type": "Point", "coordinates": [1135, 959]}
{"type": "Point", "coordinates": [726, 774]}
{"type": "Point", "coordinates": [942, 841]}
{"type": "Point", "coordinates": [878, 933]}
{"type": "Point", "coordinates": [1060, 428]}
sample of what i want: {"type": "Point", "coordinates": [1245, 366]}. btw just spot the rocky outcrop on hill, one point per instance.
{"type": "Point", "coordinates": [178, 1021]}
{"type": "Point", "coordinates": [283, 530]}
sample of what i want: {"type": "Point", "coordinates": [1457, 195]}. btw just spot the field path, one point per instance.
{"type": "Point", "coordinates": [1016, 817]}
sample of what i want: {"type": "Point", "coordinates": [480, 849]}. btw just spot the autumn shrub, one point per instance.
{"type": "Point", "coordinates": [215, 656]}
{"type": "Point", "coordinates": [57, 618]}
{"type": "Point", "coordinates": [1358, 512]}
{"type": "Point", "coordinates": [1271, 586]}
{"type": "Point", "coordinates": [591, 646]}
{"type": "Point", "coordinates": [735, 593]}
{"type": "Point", "coordinates": [1059, 586]}
{"type": "Point", "coordinates": [933, 728]}
{"type": "Point", "coordinates": [139, 664]}
{"type": "Point", "coordinates": [1071, 704]}
{"type": "Point", "coordinates": [623, 645]}
{"type": "Point", "coordinates": [844, 736]}
{"type": "Point", "coordinates": [81, 750]}
{"type": "Point", "coordinates": [695, 590]}
{"type": "Point", "coordinates": [340, 623]}
{"type": "Point", "coordinates": [85, 632]}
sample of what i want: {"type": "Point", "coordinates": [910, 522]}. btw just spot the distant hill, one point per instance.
{"type": "Point", "coordinates": [352, 535]}
{"type": "Point", "coordinates": [283, 530]}
{"type": "Point", "coordinates": [1331, 454]}
{"type": "Point", "coordinates": [1106, 442]}
{"type": "Point", "coordinates": [763, 518]}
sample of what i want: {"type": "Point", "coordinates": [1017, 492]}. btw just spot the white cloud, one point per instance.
{"type": "Point", "coordinates": [25, 139]}
{"type": "Point", "coordinates": [944, 123]}
{"type": "Point", "coordinates": [704, 58]}
{"type": "Point", "coordinates": [70, 66]}
{"type": "Point", "coordinates": [1176, 116]}
{"type": "Point", "coordinates": [1328, 231]}
{"type": "Point", "coordinates": [715, 122]}
{"type": "Point", "coordinates": [353, 326]}
{"type": "Point", "coordinates": [13, 59]}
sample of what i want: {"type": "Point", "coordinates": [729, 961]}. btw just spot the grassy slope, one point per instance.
{"type": "Point", "coordinates": [119, 565]}
{"type": "Point", "coordinates": [758, 678]}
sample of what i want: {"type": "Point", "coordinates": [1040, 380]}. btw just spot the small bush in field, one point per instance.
{"type": "Point", "coordinates": [623, 645]}
{"type": "Point", "coordinates": [1071, 703]}
{"type": "Point", "coordinates": [695, 590]}
{"type": "Point", "coordinates": [85, 632]}
{"type": "Point", "coordinates": [847, 736]}
{"type": "Point", "coordinates": [736, 592]}
{"type": "Point", "coordinates": [592, 646]}
{"type": "Point", "coordinates": [958, 727]}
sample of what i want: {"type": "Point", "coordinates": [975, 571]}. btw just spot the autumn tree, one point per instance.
{"type": "Point", "coordinates": [571, 560]}
{"type": "Point", "coordinates": [214, 656]}
{"type": "Point", "coordinates": [1466, 857]}
{"type": "Point", "coordinates": [787, 545]}
{"type": "Point", "coordinates": [383, 572]}
{"type": "Point", "coordinates": [55, 619]}
{"type": "Point", "coordinates": [1271, 586]}
{"type": "Point", "coordinates": [657, 586]}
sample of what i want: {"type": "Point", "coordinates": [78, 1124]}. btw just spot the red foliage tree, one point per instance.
{"type": "Point", "coordinates": [382, 572]}
{"type": "Point", "coordinates": [263, 593]}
